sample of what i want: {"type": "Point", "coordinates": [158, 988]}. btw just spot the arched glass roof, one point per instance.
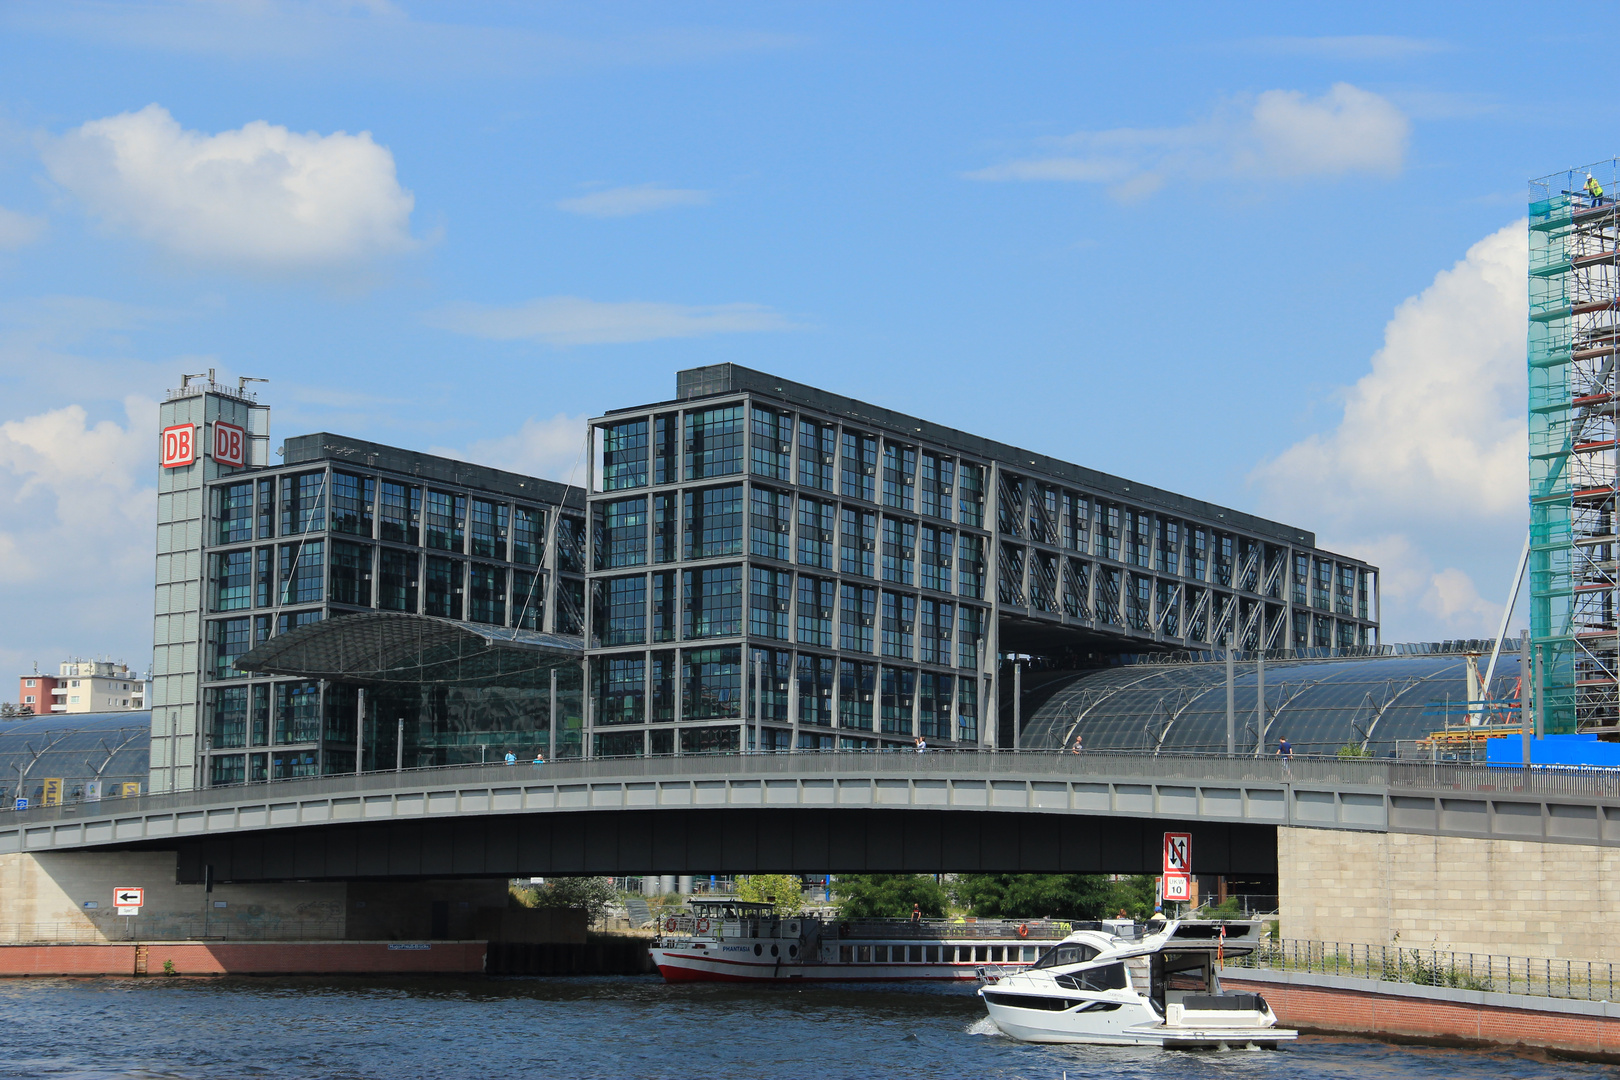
{"type": "Point", "coordinates": [73, 748]}
{"type": "Point", "coordinates": [1318, 705]}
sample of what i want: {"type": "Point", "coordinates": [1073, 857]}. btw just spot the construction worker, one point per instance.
{"type": "Point", "coordinates": [1594, 189]}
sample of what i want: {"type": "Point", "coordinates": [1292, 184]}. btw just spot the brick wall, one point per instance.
{"type": "Point", "coordinates": [1506, 897]}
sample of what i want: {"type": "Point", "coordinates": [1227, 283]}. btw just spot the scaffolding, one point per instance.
{"type": "Point", "coordinates": [1574, 480]}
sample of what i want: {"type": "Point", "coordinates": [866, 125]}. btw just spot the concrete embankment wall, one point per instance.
{"type": "Point", "coordinates": [1503, 897]}
{"type": "Point", "coordinates": [246, 958]}
{"type": "Point", "coordinates": [1339, 1005]}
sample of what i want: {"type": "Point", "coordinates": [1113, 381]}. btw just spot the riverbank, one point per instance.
{"type": "Point", "coordinates": [1441, 1015]}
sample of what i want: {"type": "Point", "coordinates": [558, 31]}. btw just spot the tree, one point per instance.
{"type": "Point", "coordinates": [888, 896]}
{"type": "Point", "coordinates": [592, 895]}
{"type": "Point", "coordinates": [1134, 894]}
{"type": "Point", "coordinates": [786, 891]}
{"type": "Point", "coordinates": [1035, 896]}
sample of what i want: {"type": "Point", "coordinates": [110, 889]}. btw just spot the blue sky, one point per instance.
{"type": "Point", "coordinates": [1253, 253]}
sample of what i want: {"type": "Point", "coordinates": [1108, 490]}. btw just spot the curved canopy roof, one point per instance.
{"type": "Point", "coordinates": [73, 747]}
{"type": "Point", "coordinates": [1318, 705]}
{"type": "Point", "coordinates": [394, 647]}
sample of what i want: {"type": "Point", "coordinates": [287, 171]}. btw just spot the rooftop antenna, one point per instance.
{"type": "Point", "coordinates": [243, 380]}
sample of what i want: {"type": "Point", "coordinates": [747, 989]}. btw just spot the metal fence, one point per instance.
{"type": "Point", "coordinates": [161, 928]}
{"type": "Point", "coordinates": [1381, 774]}
{"type": "Point", "coordinates": [1586, 980]}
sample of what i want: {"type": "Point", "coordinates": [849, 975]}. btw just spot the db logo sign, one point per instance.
{"type": "Point", "coordinates": [179, 446]}
{"type": "Point", "coordinates": [230, 445]}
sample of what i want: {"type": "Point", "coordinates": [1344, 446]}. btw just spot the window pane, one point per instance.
{"type": "Point", "coordinates": [487, 529]}
{"type": "Point", "coordinates": [442, 595]}
{"type": "Point", "coordinates": [771, 453]}
{"type": "Point", "coordinates": [769, 523]}
{"type": "Point", "coordinates": [397, 582]}
{"type": "Point", "coordinates": [303, 572]}
{"type": "Point", "coordinates": [232, 575]}
{"type": "Point", "coordinates": [714, 524]}
{"type": "Point", "coordinates": [233, 513]}
{"type": "Point", "coordinates": [486, 594]}
{"type": "Point", "coordinates": [621, 538]}
{"type": "Point", "coordinates": [714, 442]}
{"type": "Point", "coordinates": [624, 455]}
{"type": "Point", "coordinates": [446, 522]}
{"type": "Point", "coordinates": [528, 535]}
{"type": "Point", "coordinates": [621, 615]}
{"type": "Point", "coordinates": [351, 573]}
{"type": "Point", "coordinates": [399, 513]}
{"type": "Point", "coordinates": [351, 503]}
{"type": "Point", "coordinates": [713, 602]}
{"type": "Point", "coordinates": [711, 684]}
{"type": "Point", "coordinates": [620, 689]}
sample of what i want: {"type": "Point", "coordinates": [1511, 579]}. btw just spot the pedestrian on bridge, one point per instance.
{"type": "Point", "coordinates": [539, 758]}
{"type": "Point", "coordinates": [1285, 751]}
{"type": "Point", "coordinates": [511, 758]}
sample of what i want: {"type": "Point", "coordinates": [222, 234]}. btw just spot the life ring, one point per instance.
{"type": "Point", "coordinates": [1023, 930]}
{"type": "Point", "coordinates": [702, 926]}
{"type": "Point", "coordinates": [669, 924]}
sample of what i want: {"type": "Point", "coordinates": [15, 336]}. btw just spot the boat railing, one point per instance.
{"type": "Point", "coordinates": [937, 929]}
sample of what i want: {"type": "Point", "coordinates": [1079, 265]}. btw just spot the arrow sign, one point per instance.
{"type": "Point", "coordinates": [1178, 853]}
{"type": "Point", "coordinates": [129, 897]}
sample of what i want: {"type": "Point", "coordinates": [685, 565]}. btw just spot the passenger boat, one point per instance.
{"type": "Point", "coordinates": [735, 941]}
{"type": "Point", "coordinates": [1160, 990]}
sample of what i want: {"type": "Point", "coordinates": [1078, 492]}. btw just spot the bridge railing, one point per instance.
{"type": "Point", "coordinates": [1587, 980]}
{"type": "Point", "coordinates": [1375, 774]}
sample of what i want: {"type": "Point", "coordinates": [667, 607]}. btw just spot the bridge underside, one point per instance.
{"type": "Point", "coordinates": [729, 841]}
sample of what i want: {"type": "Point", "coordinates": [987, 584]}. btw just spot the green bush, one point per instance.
{"type": "Point", "coordinates": [888, 896]}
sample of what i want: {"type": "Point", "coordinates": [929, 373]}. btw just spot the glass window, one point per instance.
{"type": "Point", "coordinates": [899, 694]}
{"type": "Point", "coordinates": [817, 597]}
{"type": "Point", "coordinates": [293, 766]}
{"type": "Point", "coordinates": [528, 535]}
{"type": "Point", "coordinates": [711, 685]}
{"type": "Point", "coordinates": [1010, 505]}
{"type": "Point", "coordinates": [1165, 607]}
{"type": "Point", "coordinates": [611, 744]}
{"type": "Point", "coordinates": [934, 642]}
{"type": "Point", "coordinates": [666, 448]}
{"type": "Point", "coordinates": [818, 444]}
{"type": "Point", "coordinates": [1223, 559]}
{"type": "Point", "coordinates": [856, 683]}
{"type": "Point", "coordinates": [267, 508]}
{"type": "Point", "coordinates": [264, 576]}
{"type": "Point", "coordinates": [1108, 539]}
{"type": "Point", "coordinates": [771, 453]}
{"type": "Point", "coordinates": [298, 712]}
{"type": "Point", "coordinates": [665, 525]}
{"type": "Point", "coordinates": [620, 689]}
{"type": "Point", "coordinates": [1137, 531]}
{"type": "Point", "coordinates": [224, 770]}
{"type": "Point", "coordinates": [899, 624]}
{"type": "Point", "coordinates": [261, 716]}
{"type": "Point", "coordinates": [487, 521]}
{"type": "Point", "coordinates": [1169, 547]}
{"type": "Point", "coordinates": [713, 602]}
{"type": "Point", "coordinates": [970, 495]}
{"type": "Point", "coordinates": [303, 572]}
{"type": "Point", "coordinates": [857, 543]}
{"type": "Point", "coordinates": [570, 606]}
{"type": "Point", "coordinates": [232, 638]}
{"type": "Point", "coordinates": [663, 606]}
{"type": "Point", "coordinates": [662, 703]}
{"type": "Point", "coordinates": [1077, 522]}
{"type": "Point", "coordinates": [714, 524]}
{"type": "Point", "coordinates": [1320, 584]}
{"type": "Point", "coordinates": [899, 475]}
{"type": "Point", "coordinates": [708, 740]}
{"type": "Point", "coordinates": [621, 615]}
{"type": "Point", "coordinates": [816, 533]}
{"type": "Point", "coordinates": [970, 566]}
{"type": "Point", "coordinates": [770, 517]}
{"type": "Point", "coordinates": [621, 538]}
{"type": "Point", "coordinates": [528, 600]}
{"type": "Point", "coordinates": [351, 573]}
{"type": "Point", "coordinates": [446, 524]}
{"type": "Point", "coordinates": [303, 503]}
{"type": "Point", "coordinates": [570, 544]}
{"type": "Point", "coordinates": [969, 632]}
{"type": "Point", "coordinates": [233, 513]}
{"type": "Point", "coordinates": [899, 550]}
{"type": "Point", "coordinates": [397, 581]}
{"type": "Point", "coordinates": [442, 595]}
{"type": "Point", "coordinates": [232, 574]}
{"type": "Point", "coordinates": [399, 513]}
{"type": "Point", "coordinates": [815, 675]}
{"type": "Point", "coordinates": [714, 442]}
{"type": "Point", "coordinates": [857, 615]}
{"type": "Point", "coordinates": [936, 478]}
{"type": "Point", "coordinates": [1199, 555]}
{"type": "Point", "coordinates": [770, 600]}
{"type": "Point", "coordinates": [1043, 515]}
{"type": "Point", "coordinates": [486, 594]}
{"type": "Point", "coordinates": [352, 498]}
{"type": "Point", "coordinates": [624, 455]}
{"type": "Point", "coordinates": [967, 709]}
{"type": "Point", "coordinates": [934, 558]}
{"type": "Point", "coordinates": [859, 467]}
{"type": "Point", "coordinates": [933, 705]}
{"type": "Point", "coordinates": [230, 719]}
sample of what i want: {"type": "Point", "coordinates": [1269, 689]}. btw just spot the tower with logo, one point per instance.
{"type": "Point", "coordinates": [206, 432]}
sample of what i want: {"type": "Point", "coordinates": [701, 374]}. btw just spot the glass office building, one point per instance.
{"type": "Point", "coordinates": [778, 566]}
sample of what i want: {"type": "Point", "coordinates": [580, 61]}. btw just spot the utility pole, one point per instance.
{"type": "Point", "coordinates": [1231, 700]}
{"type": "Point", "coordinates": [1526, 719]}
{"type": "Point", "coordinates": [359, 729]}
{"type": "Point", "coordinates": [1259, 702]}
{"type": "Point", "coordinates": [399, 746]}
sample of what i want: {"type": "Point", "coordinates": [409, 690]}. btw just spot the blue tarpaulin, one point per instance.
{"type": "Point", "coordinates": [1555, 750]}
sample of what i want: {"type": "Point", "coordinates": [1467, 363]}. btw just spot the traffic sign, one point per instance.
{"type": "Point", "coordinates": [22, 803]}
{"type": "Point", "coordinates": [129, 897]}
{"type": "Point", "coordinates": [1177, 887]}
{"type": "Point", "coordinates": [1178, 853]}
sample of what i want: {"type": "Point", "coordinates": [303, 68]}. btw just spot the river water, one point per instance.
{"type": "Point", "coordinates": [489, 1029]}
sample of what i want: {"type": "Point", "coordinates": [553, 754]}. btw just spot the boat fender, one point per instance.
{"type": "Point", "coordinates": [1023, 930]}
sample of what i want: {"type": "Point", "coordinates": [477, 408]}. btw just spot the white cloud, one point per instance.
{"type": "Point", "coordinates": [1278, 134]}
{"type": "Point", "coordinates": [77, 521]}
{"type": "Point", "coordinates": [1425, 473]}
{"type": "Point", "coordinates": [573, 320]}
{"type": "Point", "coordinates": [552, 449]}
{"type": "Point", "coordinates": [259, 197]}
{"type": "Point", "coordinates": [635, 199]}
{"type": "Point", "coordinates": [18, 230]}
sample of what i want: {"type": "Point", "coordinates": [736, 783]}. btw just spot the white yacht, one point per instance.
{"type": "Point", "coordinates": [1160, 990]}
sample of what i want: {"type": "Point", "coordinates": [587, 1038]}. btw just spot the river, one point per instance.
{"type": "Point", "coordinates": [489, 1029]}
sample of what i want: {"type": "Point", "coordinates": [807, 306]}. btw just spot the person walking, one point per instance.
{"type": "Point", "coordinates": [511, 758]}
{"type": "Point", "coordinates": [1285, 751]}
{"type": "Point", "coordinates": [1594, 189]}
{"type": "Point", "coordinates": [1078, 746]}
{"type": "Point", "coordinates": [539, 758]}
{"type": "Point", "coordinates": [921, 745]}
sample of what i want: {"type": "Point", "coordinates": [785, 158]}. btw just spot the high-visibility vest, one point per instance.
{"type": "Point", "coordinates": [1594, 188]}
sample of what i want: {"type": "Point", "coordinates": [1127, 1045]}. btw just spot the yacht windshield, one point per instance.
{"type": "Point", "coordinates": [1069, 953]}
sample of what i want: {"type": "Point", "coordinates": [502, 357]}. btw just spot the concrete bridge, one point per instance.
{"type": "Point", "coordinates": [812, 812]}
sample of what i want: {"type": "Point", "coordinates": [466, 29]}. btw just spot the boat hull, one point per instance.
{"type": "Point", "coordinates": [694, 965]}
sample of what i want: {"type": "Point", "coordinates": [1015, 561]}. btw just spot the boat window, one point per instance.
{"type": "Point", "coordinates": [933, 954]}
{"type": "Point", "coordinates": [863, 954]}
{"type": "Point", "coordinates": [1030, 1001]}
{"type": "Point", "coordinates": [1107, 977]}
{"type": "Point", "coordinates": [1073, 953]}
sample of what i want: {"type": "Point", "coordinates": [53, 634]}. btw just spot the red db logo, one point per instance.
{"type": "Point", "coordinates": [230, 445]}
{"type": "Point", "coordinates": [179, 446]}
